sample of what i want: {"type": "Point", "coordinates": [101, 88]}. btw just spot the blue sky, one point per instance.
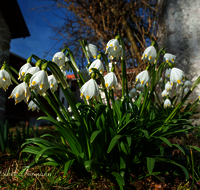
{"type": "Point", "coordinates": [39, 41]}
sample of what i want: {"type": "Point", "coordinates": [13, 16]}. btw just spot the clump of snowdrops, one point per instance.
{"type": "Point", "coordinates": [111, 137]}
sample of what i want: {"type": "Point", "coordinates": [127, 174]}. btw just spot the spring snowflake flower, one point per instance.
{"type": "Point", "coordinates": [167, 73]}
{"type": "Point", "coordinates": [40, 80]}
{"type": "Point", "coordinates": [139, 87]}
{"type": "Point", "coordinates": [33, 106]}
{"type": "Point", "coordinates": [85, 74]}
{"type": "Point", "coordinates": [113, 49]}
{"type": "Point", "coordinates": [169, 58]}
{"type": "Point", "coordinates": [52, 83]}
{"type": "Point", "coordinates": [142, 77]}
{"type": "Point", "coordinates": [23, 70]}
{"type": "Point", "coordinates": [5, 80]}
{"type": "Point", "coordinates": [90, 89]}
{"type": "Point", "coordinates": [32, 70]}
{"type": "Point", "coordinates": [66, 66]}
{"type": "Point", "coordinates": [97, 64]}
{"type": "Point", "coordinates": [21, 92]}
{"type": "Point", "coordinates": [70, 109]}
{"type": "Point", "coordinates": [111, 80]}
{"type": "Point", "coordinates": [168, 86]}
{"type": "Point", "coordinates": [187, 83]}
{"type": "Point", "coordinates": [149, 55]}
{"type": "Point", "coordinates": [133, 93]}
{"type": "Point", "coordinates": [165, 93]}
{"type": "Point", "coordinates": [186, 90]}
{"type": "Point", "coordinates": [59, 59]}
{"type": "Point", "coordinates": [167, 103]}
{"type": "Point", "coordinates": [177, 76]}
{"type": "Point", "coordinates": [91, 50]}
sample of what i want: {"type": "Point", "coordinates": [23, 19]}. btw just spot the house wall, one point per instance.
{"type": "Point", "coordinates": [5, 38]}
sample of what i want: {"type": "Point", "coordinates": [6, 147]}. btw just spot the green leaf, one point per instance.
{"type": "Point", "coordinates": [94, 135]}
{"type": "Point", "coordinates": [129, 140]}
{"type": "Point", "coordinates": [165, 140]}
{"type": "Point", "coordinates": [161, 150]}
{"type": "Point", "coordinates": [122, 166]}
{"type": "Point", "coordinates": [179, 147]}
{"type": "Point", "coordinates": [88, 164]}
{"type": "Point", "coordinates": [67, 166]}
{"type": "Point", "coordinates": [145, 133]}
{"type": "Point", "coordinates": [113, 142]}
{"type": "Point", "coordinates": [150, 164]}
{"type": "Point", "coordinates": [120, 179]}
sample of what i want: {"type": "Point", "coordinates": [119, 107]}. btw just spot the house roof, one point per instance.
{"type": "Point", "coordinates": [72, 77]}
{"type": "Point", "coordinates": [13, 16]}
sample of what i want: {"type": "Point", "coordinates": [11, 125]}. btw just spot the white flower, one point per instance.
{"type": "Point", "coordinates": [85, 74]}
{"type": "Point", "coordinates": [167, 73]}
{"type": "Point", "coordinates": [90, 89]}
{"type": "Point", "coordinates": [160, 81]}
{"type": "Point", "coordinates": [187, 83]}
{"type": "Point", "coordinates": [21, 92]}
{"type": "Point", "coordinates": [23, 69]}
{"type": "Point", "coordinates": [133, 93]}
{"type": "Point", "coordinates": [59, 59]}
{"type": "Point", "coordinates": [66, 66]}
{"type": "Point", "coordinates": [91, 50]}
{"type": "Point", "coordinates": [168, 86]}
{"type": "Point", "coordinates": [186, 90]}
{"type": "Point", "coordinates": [139, 87]}
{"type": "Point", "coordinates": [97, 64]}
{"type": "Point", "coordinates": [40, 80]}
{"type": "Point", "coordinates": [169, 58]}
{"type": "Point", "coordinates": [142, 77]}
{"type": "Point", "coordinates": [167, 103]}
{"type": "Point", "coordinates": [111, 80]}
{"type": "Point", "coordinates": [64, 72]}
{"type": "Point", "coordinates": [33, 106]}
{"type": "Point", "coordinates": [165, 93]}
{"type": "Point", "coordinates": [32, 70]}
{"type": "Point", "coordinates": [5, 80]}
{"type": "Point", "coordinates": [113, 49]}
{"type": "Point", "coordinates": [52, 83]}
{"type": "Point", "coordinates": [177, 75]}
{"type": "Point", "coordinates": [149, 55]}
{"type": "Point", "coordinates": [70, 109]}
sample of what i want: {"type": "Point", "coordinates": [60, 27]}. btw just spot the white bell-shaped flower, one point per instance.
{"type": "Point", "coordinates": [32, 70]}
{"type": "Point", "coordinates": [139, 87]}
{"type": "Point", "coordinates": [23, 69]}
{"type": "Point", "coordinates": [142, 77]}
{"type": "Point", "coordinates": [186, 90]}
{"type": "Point", "coordinates": [167, 103]}
{"type": "Point", "coordinates": [59, 59]}
{"type": "Point", "coordinates": [85, 74]}
{"type": "Point", "coordinates": [115, 53]}
{"type": "Point", "coordinates": [52, 83]}
{"type": "Point", "coordinates": [177, 76]}
{"type": "Point", "coordinates": [187, 83]}
{"type": "Point", "coordinates": [149, 55]}
{"type": "Point", "coordinates": [64, 72]}
{"type": "Point", "coordinates": [165, 93]}
{"type": "Point", "coordinates": [21, 92]}
{"type": "Point", "coordinates": [169, 58]}
{"type": "Point", "coordinates": [66, 66]}
{"type": "Point", "coordinates": [91, 50]}
{"type": "Point", "coordinates": [40, 80]}
{"type": "Point", "coordinates": [5, 80]}
{"type": "Point", "coordinates": [70, 109]}
{"type": "Point", "coordinates": [112, 44]}
{"type": "Point", "coordinates": [33, 106]}
{"type": "Point", "coordinates": [167, 73]}
{"type": "Point", "coordinates": [90, 89]}
{"type": "Point", "coordinates": [111, 80]}
{"type": "Point", "coordinates": [97, 64]}
{"type": "Point", "coordinates": [168, 86]}
{"type": "Point", "coordinates": [133, 93]}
